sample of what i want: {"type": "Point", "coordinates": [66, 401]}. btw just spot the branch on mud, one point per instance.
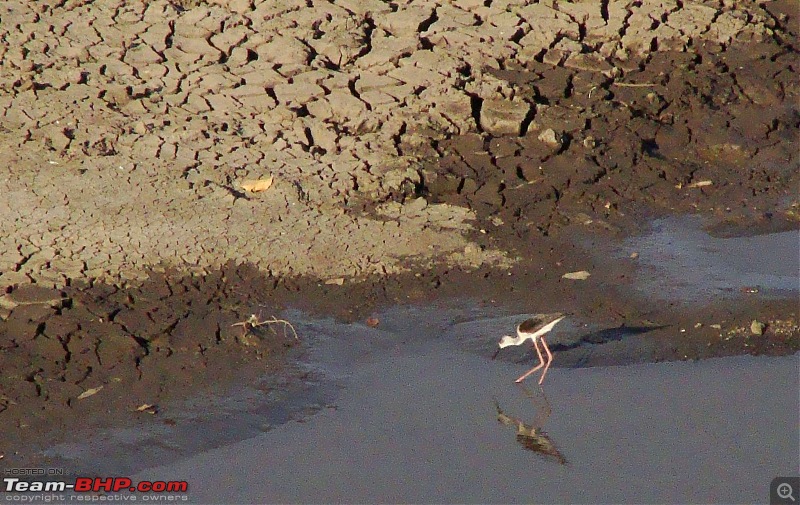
{"type": "Point", "coordinates": [253, 322]}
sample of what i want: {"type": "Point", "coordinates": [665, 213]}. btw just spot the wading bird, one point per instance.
{"type": "Point", "coordinates": [535, 329]}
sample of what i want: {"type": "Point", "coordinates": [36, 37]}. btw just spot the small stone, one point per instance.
{"type": "Point", "coordinates": [634, 255]}
{"type": "Point", "coordinates": [757, 327]}
{"type": "Point", "coordinates": [577, 276]}
{"type": "Point", "coordinates": [716, 326]}
{"type": "Point", "coordinates": [550, 137]}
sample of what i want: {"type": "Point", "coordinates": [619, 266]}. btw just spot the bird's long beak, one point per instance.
{"type": "Point", "coordinates": [496, 352]}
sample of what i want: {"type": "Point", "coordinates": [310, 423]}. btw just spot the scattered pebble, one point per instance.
{"type": "Point", "coordinates": [716, 326]}
{"type": "Point", "coordinates": [634, 255]}
{"type": "Point", "coordinates": [577, 276]}
{"type": "Point", "coordinates": [757, 327]}
{"type": "Point", "coordinates": [698, 325]}
{"type": "Point", "coordinates": [89, 392]}
{"type": "Point", "coordinates": [146, 407]}
{"type": "Point", "coordinates": [373, 322]}
{"type": "Point", "coordinates": [257, 185]}
{"type": "Point", "coordinates": [549, 136]}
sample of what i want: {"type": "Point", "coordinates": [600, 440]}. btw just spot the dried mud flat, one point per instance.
{"type": "Point", "coordinates": [418, 150]}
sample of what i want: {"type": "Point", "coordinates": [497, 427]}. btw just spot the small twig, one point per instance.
{"type": "Point", "coordinates": [634, 85]}
{"type": "Point", "coordinates": [253, 322]}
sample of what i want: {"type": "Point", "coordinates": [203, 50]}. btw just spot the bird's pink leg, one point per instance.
{"type": "Point", "coordinates": [549, 360]}
{"type": "Point", "coordinates": [541, 363]}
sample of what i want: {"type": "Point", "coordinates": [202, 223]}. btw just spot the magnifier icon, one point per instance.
{"type": "Point", "coordinates": [785, 491]}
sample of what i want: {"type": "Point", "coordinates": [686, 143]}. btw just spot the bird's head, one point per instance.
{"type": "Point", "coordinates": [506, 341]}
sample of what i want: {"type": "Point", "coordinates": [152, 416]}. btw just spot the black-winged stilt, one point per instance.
{"type": "Point", "coordinates": [534, 329]}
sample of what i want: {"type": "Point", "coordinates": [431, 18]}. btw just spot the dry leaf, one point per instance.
{"type": "Point", "coordinates": [89, 392]}
{"type": "Point", "coordinates": [700, 184]}
{"type": "Point", "coordinates": [257, 185]}
{"type": "Point", "coordinates": [337, 281]}
{"type": "Point", "coordinates": [577, 276]}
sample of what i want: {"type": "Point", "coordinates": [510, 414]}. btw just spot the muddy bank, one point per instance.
{"type": "Point", "coordinates": [91, 355]}
{"type": "Point", "coordinates": [417, 153]}
{"type": "Point", "coordinates": [151, 345]}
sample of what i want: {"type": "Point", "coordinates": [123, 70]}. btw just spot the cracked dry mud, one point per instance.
{"type": "Point", "coordinates": [404, 138]}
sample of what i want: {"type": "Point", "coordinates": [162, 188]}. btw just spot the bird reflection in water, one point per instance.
{"type": "Point", "coordinates": [531, 436]}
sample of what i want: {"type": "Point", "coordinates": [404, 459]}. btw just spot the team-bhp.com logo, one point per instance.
{"type": "Point", "coordinates": [95, 485]}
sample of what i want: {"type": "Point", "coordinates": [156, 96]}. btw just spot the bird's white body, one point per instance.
{"type": "Point", "coordinates": [522, 336]}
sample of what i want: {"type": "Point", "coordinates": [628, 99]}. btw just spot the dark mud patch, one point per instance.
{"type": "Point", "coordinates": [712, 130]}
{"type": "Point", "coordinates": [95, 355]}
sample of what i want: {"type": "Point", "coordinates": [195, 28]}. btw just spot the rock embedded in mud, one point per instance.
{"type": "Point", "coordinates": [550, 137]}
{"type": "Point", "coordinates": [757, 327]}
{"type": "Point", "coordinates": [503, 117]}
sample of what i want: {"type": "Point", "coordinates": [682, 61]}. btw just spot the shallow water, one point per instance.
{"type": "Point", "coordinates": [416, 421]}
{"type": "Point", "coordinates": [680, 262]}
